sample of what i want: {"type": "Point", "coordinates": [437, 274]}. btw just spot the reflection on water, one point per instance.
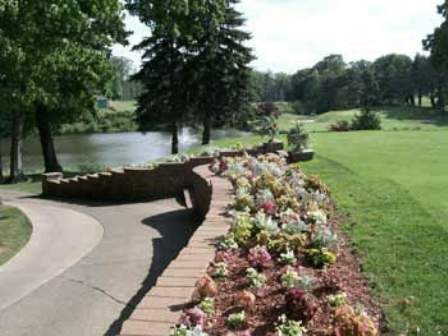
{"type": "Point", "coordinates": [112, 149]}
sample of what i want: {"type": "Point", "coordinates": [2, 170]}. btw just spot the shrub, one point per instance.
{"type": "Point", "coordinates": [268, 109]}
{"type": "Point", "coordinates": [290, 279]}
{"type": "Point", "coordinates": [259, 256]}
{"type": "Point", "coordinates": [267, 126]}
{"type": "Point", "coordinates": [88, 168]}
{"type": "Point", "coordinates": [337, 300]}
{"type": "Point", "coordinates": [183, 330]}
{"type": "Point", "coordinates": [194, 317]}
{"type": "Point", "coordinates": [321, 257]}
{"type": "Point", "coordinates": [236, 320]}
{"type": "Point", "coordinates": [207, 305]}
{"type": "Point", "coordinates": [288, 258]}
{"type": "Point", "coordinates": [221, 270]}
{"type": "Point", "coordinates": [228, 243]}
{"type": "Point", "coordinates": [350, 323]}
{"type": "Point", "coordinates": [341, 126]}
{"type": "Point", "coordinates": [287, 327]}
{"type": "Point", "coordinates": [298, 137]}
{"type": "Point", "coordinates": [246, 299]}
{"type": "Point", "coordinates": [300, 305]}
{"type": "Point", "coordinates": [297, 107]}
{"type": "Point", "coordinates": [366, 120]}
{"type": "Point", "coordinates": [256, 279]}
{"type": "Point", "coordinates": [205, 287]}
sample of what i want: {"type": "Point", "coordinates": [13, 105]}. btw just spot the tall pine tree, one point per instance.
{"type": "Point", "coordinates": [166, 74]}
{"type": "Point", "coordinates": [223, 74]}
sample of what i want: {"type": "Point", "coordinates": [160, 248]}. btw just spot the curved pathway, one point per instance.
{"type": "Point", "coordinates": [60, 238]}
{"type": "Point", "coordinates": [92, 285]}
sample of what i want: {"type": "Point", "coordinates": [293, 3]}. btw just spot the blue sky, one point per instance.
{"type": "Point", "coordinates": [293, 34]}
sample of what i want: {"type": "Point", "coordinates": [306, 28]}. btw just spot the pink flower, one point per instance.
{"type": "Point", "coordinates": [194, 317]}
{"type": "Point", "coordinates": [259, 256]}
{"type": "Point", "coordinates": [269, 207]}
{"type": "Point", "coordinates": [223, 166]}
{"type": "Point", "coordinates": [223, 256]}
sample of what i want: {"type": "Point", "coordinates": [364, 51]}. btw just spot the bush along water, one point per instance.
{"type": "Point", "coordinates": [282, 269]}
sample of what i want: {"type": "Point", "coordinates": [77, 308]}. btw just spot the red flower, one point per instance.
{"type": "Point", "coordinates": [269, 207]}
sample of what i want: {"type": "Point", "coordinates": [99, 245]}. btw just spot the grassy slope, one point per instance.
{"type": "Point", "coordinates": [393, 118]}
{"type": "Point", "coordinates": [15, 231]}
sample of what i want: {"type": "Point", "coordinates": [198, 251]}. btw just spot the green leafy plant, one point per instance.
{"type": "Point", "coordinates": [207, 305]}
{"type": "Point", "coordinates": [290, 279]}
{"type": "Point", "coordinates": [242, 228]}
{"type": "Point", "coordinates": [236, 320]}
{"type": "Point", "coordinates": [337, 300]}
{"type": "Point", "coordinates": [183, 330]}
{"type": "Point", "coordinates": [228, 242]}
{"type": "Point", "coordinates": [265, 223]}
{"type": "Point", "coordinates": [288, 258]}
{"type": "Point", "coordinates": [306, 282]}
{"type": "Point", "coordinates": [256, 279]}
{"type": "Point", "coordinates": [286, 327]}
{"type": "Point", "coordinates": [321, 257]}
{"type": "Point", "coordinates": [298, 137]}
{"type": "Point", "coordinates": [221, 270]}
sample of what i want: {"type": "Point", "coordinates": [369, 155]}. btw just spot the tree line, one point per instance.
{"type": "Point", "coordinates": [333, 84]}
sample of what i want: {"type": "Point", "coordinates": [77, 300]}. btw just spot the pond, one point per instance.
{"type": "Point", "coordinates": [111, 150]}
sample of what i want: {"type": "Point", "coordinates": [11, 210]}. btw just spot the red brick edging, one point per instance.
{"type": "Point", "coordinates": [161, 308]}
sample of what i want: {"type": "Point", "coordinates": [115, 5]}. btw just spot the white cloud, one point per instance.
{"type": "Point", "coordinates": [292, 34]}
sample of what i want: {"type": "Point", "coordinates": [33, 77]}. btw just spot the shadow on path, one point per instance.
{"type": "Point", "coordinates": [175, 228]}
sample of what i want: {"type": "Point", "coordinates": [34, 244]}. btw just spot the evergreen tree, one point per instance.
{"type": "Point", "coordinates": [224, 80]}
{"type": "Point", "coordinates": [437, 44]}
{"type": "Point", "coordinates": [170, 52]}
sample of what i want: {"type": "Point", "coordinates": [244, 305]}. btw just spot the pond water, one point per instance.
{"type": "Point", "coordinates": [111, 150]}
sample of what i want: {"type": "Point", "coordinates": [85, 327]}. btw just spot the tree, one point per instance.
{"type": "Point", "coordinates": [393, 73]}
{"type": "Point", "coordinates": [424, 78]}
{"type": "Point", "coordinates": [121, 69]}
{"type": "Point", "coordinates": [223, 75]}
{"type": "Point", "coordinates": [437, 44]}
{"type": "Point", "coordinates": [58, 63]}
{"type": "Point", "coordinates": [170, 53]}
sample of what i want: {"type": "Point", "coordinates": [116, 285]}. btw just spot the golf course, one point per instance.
{"type": "Point", "coordinates": [391, 187]}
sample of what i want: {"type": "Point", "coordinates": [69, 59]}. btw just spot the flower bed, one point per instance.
{"type": "Point", "coordinates": [283, 268]}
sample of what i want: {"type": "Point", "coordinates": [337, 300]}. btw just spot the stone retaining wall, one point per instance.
{"type": "Point", "coordinates": [167, 180]}
{"type": "Point", "coordinates": [161, 308]}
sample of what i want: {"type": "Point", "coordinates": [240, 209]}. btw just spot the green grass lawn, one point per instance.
{"type": "Point", "coordinates": [15, 230]}
{"type": "Point", "coordinates": [393, 119]}
{"type": "Point", "coordinates": [393, 186]}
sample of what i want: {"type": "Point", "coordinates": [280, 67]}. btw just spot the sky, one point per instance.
{"type": "Point", "coordinates": [288, 35]}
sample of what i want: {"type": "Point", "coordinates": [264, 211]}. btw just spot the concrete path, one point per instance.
{"type": "Point", "coordinates": [89, 295]}
{"type": "Point", "coordinates": [60, 238]}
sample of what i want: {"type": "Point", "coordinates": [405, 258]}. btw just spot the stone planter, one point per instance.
{"type": "Point", "coordinates": [201, 160]}
{"type": "Point", "coordinates": [272, 147]}
{"type": "Point", "coordinates": [231, 153]}
{"type": "Point", "coordinates": [306, 155]}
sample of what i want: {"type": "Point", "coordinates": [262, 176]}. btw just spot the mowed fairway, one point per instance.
{"type": "Point", "coordinates": [394, 187]}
